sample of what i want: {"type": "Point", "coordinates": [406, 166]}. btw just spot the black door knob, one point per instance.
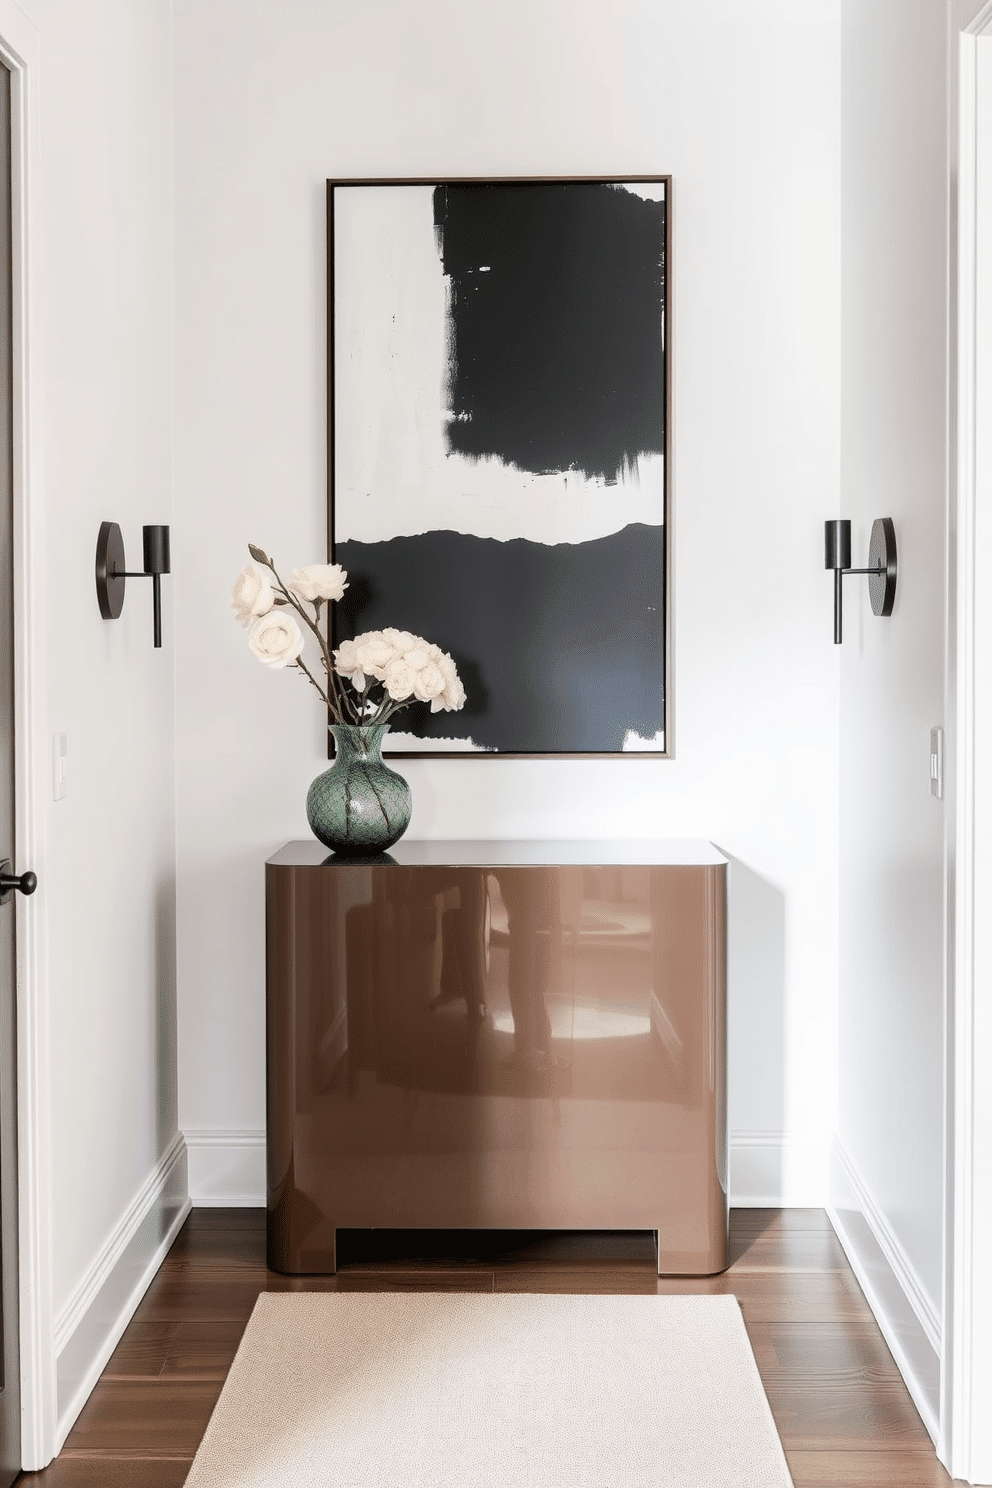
{"type": "Point", "coordinates": [9, 881]}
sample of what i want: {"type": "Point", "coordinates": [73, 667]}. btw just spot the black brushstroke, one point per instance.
{"type": "Point", "coordinates": [560, 647]}
{"type": "Point", "coordinates": [556, 324]}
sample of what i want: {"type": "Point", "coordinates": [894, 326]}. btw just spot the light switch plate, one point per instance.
{"type": "Point", "coordinates": [60, 766]}
{"type": "Point", "coordinates": [937, 763]}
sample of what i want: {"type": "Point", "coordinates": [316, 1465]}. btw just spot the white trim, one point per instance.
{"type": "Point", "coordinates": [20, 49]}
{"type": "Point", "coordinates": [965, 1445]}
{"type": "Point", "coordinates": [90, 1325]}
{"type": "Point", "coordinates": [226, 1167]}
{"type": "Point", "coordinates": [776, 1169]}
{"type": "Point", "coordinates": [99, 1271]}
{"type": "Point", "coordinates": [907, 1316]}
{"type": "Point", "coordinates": [973, 16]}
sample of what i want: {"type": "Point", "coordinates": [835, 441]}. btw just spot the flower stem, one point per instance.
{"type": "Point", "coordinates": [337, 707]}
{"type": "Point", "coordinates": [304, 668]}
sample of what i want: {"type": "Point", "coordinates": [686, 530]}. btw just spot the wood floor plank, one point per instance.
{"type": "Point", "coordinates": [776, 1221]}
{"type": "Point", "coordinates": [222, 1298]}
{"type": "Point", "coordinates": [229, 1297]}
{"type": "Point", "coordinates": [866, 1469]}
{"type": "Point", "coordinates": [203, 1351]}
{"type": "Point", "coordinates": [827, 1354]}
{"type": "Point", "coordinates": [216, 1247]}
{"type": "Point", "coordinates": [207, 1219]}
{"type": "Point", "coordinates": [104, 1472]}
{"type": "Point", "coordinates": [787, 1250]}
{"type": "Point", "coordinates": [768, 1298]}
{"type": "Point", "coordinates": [143, 1418]}
{"type": "Point", "coordinates": [764, 1297]}
{"type": "Point", "coordinates": [143, 1350]}
{"type": "Point", "coordinates": [816, 1297]}
{"type": "Point", "coordinates": [879, 1417]}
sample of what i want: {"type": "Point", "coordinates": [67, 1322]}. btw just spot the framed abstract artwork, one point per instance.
{"type": "Point", "coordinates": [498, 388]}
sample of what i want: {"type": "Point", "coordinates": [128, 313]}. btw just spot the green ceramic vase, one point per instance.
{"type": "Point", "coordinates": [359, 806]}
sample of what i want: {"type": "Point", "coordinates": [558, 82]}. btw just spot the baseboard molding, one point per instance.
{"type": "Point", "coordinates": [89, 1327]}
{"type": "Point", "coordinates": [908, 1319]}
{"type": "Point", "coordinates": [775, 1169]}
{"type": "Point", "coordinates": [767, 1169]}
{"type": "Point", "coordinates": [226, 1168]}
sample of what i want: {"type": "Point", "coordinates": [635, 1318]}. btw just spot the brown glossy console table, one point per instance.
{"type": "Point", "coordinates": [499, 1035]}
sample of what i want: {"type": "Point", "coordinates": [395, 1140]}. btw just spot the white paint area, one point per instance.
{"type": "Point", "coordinates": [395, 475]}
{"type": "Point", "coordinates": [892, 829]}
{"type": "Point", "coordinates": [740, 103]}
{"type": "Point", "coordinates": [634, 743]}
{"type": "Point", "coordinates": [100, 1053]}
{"type": "Point", "coordinates": [400, 742]}
{"type": "Point", "coordinates": [104, 217]}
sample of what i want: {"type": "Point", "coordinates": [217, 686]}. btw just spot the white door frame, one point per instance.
{"type": "Point", "coordinates": [966, 1354]}
{"type": "Point", "coordinates": [20, 51]}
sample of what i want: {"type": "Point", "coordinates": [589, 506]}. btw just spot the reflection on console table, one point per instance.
{"type": "Point", "coordinates": [525, 1035]}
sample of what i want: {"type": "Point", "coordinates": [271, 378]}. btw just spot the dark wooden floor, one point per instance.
{"type": "Point", "coordinates": [842, 1411]}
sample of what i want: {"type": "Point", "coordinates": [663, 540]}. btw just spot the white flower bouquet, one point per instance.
{"type": "Point", "coordinates": [385, 669]}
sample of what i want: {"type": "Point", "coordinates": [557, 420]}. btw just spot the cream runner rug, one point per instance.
{"type": "Point", "coordinates": [448, 1390]}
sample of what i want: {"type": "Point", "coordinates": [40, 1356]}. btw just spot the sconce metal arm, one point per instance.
{"type": "Point", "coordinates": [156, 598]}
{"type": "Point", "coordinates": [839, 574]}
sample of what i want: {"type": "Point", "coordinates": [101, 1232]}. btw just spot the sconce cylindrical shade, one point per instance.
{"type": "Point", "coordinates": [838, 544]}
{"type": "Point", "coordinates": [155, 541]}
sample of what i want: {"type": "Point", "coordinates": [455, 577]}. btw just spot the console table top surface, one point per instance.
{"type": "Point", "coordinates": [597, 852]}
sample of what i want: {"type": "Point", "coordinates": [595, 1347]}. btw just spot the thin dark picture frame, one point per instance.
{"type": "Point", "coordinates": [665, 503]}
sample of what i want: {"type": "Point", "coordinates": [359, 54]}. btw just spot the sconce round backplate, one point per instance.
{"type": "Point", "coordinates": [882, 556]}
{"type": "Point", "coordinates": [110, 567]}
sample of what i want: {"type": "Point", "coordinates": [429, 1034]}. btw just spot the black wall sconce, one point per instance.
{"type": "Point", "coordinates": [111, 572]}
{"type": "Point", "coordinates": [881, 568]}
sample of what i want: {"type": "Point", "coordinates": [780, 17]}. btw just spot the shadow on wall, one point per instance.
{"type": "Point", "coordinates": [167, 1095]}
{"type": "Point", "coordinates": [755, 1033]}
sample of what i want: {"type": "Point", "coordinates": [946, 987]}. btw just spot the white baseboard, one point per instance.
{"type": "Point", "coordinates": [90, 1325]}
{"type": "Point", "coordinates": [767, 1169]}
{"type": "Point", "coordinates": [908, 1319]}
{"type": "Point", "coordinates": [226, 1168]}
{"type": "Point", "coordinates": [774, 1169]}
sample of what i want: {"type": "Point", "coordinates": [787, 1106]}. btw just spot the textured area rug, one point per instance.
{"type": "Point", "coordinates": [447, 1390]}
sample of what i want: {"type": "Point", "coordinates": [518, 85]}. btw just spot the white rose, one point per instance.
{"type": "Point", "coordinates": [451, 699]}
{"type": "Point", "coordinates": [252, 594]}
{"type": "Point", "coordinates": [453, 696]}
{"type": "Point", "coordinates": [375, 652]}
{"type": "Point", "coordinates": [318, 581]}
{"type": "Point", "coordinates": [399, 679]}
{"type": "Point", "coordinates": [347, 663]}
{"type": "Point", "coordinates": [418, 656]}
{"type": "Point", "coordinates": [428, 682]}
{"type": "Point", "coordinates": [276, 639]}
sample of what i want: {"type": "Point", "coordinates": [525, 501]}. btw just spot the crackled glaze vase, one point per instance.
{"type": "Point", "coordinates": [359, 806]}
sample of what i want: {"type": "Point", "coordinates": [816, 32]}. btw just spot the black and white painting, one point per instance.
{"type": "Point", "coordinates": [497, 451]}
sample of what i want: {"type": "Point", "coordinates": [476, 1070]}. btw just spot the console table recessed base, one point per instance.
{"type": "Point", "coordinates": [497, 1036]}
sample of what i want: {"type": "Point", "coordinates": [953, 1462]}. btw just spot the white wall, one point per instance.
{"type": "Point", "coordinates": [889, 1172]}
{"type": "Point", "coordinates": [740, 103]}
{"type": "Point", "coordinates": [100, 265]}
